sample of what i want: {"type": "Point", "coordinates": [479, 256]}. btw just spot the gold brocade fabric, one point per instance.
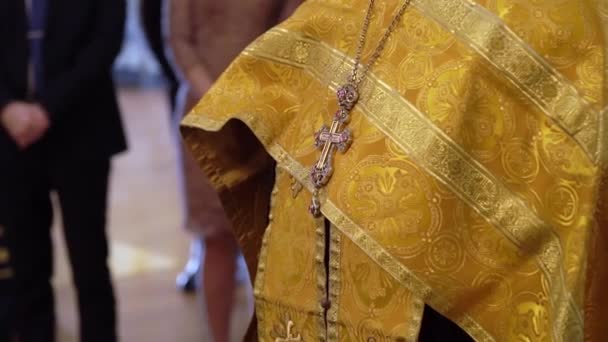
{"type": "Point", "coordinates": [472, 185]}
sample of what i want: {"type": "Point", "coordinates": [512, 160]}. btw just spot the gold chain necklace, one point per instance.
{"type": "Point", "coordinates": [328, 139]}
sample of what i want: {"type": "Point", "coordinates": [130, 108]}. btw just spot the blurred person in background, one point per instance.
{"type": "Point", "coordinates": [60, 126]}
{"type": "Point", "coordinates": [153, 19]}
{"type": "Point", "coordinates": [205, 36]}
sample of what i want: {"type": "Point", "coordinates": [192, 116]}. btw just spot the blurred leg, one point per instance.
{"type": "Point", "coordinates": [28, 229]}
{"type": "Point", "coordinates": [33, 266]}
{"type": "Point", "coordinates": [219, 282]}
{"type": "Point", "coordinates": [188, 279]}
{"type": "Point", "coordinates": [82, 187]}
{"type": "Point", "coordinates": [206, 218]}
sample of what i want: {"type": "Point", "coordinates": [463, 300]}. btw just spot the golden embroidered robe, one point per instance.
{"type": "Point", "coordinates": [472, 185]}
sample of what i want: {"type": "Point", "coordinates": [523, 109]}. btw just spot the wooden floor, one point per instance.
{"type": "Point", "coordinates": [149, 247]}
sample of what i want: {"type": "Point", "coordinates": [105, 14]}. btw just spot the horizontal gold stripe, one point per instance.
{"type": "Point", "coordinates": [555, 95]}
{"type": "Point", "coordinates": [438, 154]}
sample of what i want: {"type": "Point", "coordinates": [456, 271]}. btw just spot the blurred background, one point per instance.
{"type": "Point", "coordinates": [149, 247]}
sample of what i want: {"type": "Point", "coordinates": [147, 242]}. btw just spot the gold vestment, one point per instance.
{"type": "Point", "coordinates": [472, 185]}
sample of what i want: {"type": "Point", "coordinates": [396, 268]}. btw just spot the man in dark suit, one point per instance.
{"type": "Point", "coordinates": [6, 274]}
{"type": "Point", "coordinates": [59, 128]}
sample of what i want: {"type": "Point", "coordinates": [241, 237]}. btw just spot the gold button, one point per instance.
{"type": "Point", "coordinates": [371, 339]}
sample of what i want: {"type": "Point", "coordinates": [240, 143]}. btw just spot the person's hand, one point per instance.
{"type": "Point", "coordinates": [25, 123]}
{"type": "Point", "coordinates": [16, 119]}
{"type": "Point", "coordinates": [39, 123]}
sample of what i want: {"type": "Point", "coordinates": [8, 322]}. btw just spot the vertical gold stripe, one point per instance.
{"type": "Point", "coordinates": [604, 138]}
{"type": "Point", "coordinates": [603, 13]}
{"type": "Point", "coordinates": [335, 245]}
{"type": "Point", "coordinates": [321, 276]}
{"type": "Point", "coordinates": [417, 310]}
{"type": "Point", "coordinates": [258, 288]}
{"type": "Point", "coordinates": [520, 64]}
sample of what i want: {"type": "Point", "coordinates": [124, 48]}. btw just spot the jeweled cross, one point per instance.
{"type": "Point", "coordinates": [328, 139]}
{"type": "Point", "coordinates": [289, 337]}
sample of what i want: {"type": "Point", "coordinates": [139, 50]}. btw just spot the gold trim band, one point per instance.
{"type": "Point", "coordinates": [258, 286]}
{"type": "Point", "coordinates": [521, 65]}
{"type": "Point", "coordinates": [603, 12]}
{"type": "Point", "coordinates": [335, 245]}
{"type": "Point", "coordinates": [321, 276]}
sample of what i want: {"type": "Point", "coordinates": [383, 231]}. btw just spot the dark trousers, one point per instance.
{"type": "Point", "coordinates": [81, 187]}
{"type": "Point", "coordinates": [6, 290]}
{"type": "Point", "coordinates": [437, 328]}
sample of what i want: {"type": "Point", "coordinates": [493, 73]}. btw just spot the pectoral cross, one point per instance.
{"type": "Point", "coordinates": [289, 337]}
{"type": "Point", "coordinates": [328, 139]}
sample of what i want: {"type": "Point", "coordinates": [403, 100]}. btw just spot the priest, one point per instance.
{"type": "Point", "coordinates": [418, 170]}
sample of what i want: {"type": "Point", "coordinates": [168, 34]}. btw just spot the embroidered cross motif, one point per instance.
{"type": "Point", "coordinates": [289, 337]}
